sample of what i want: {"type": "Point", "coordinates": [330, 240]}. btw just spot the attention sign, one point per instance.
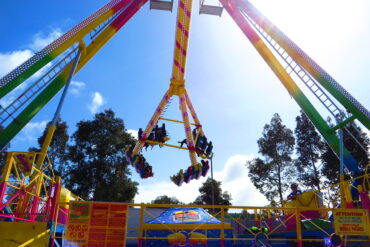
{"type": "Point", "coordinates": [96, 224]}
{"type": "Point", "coordinates": [351, 222]}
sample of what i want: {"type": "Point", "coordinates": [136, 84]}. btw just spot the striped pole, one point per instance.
{"type": "Point", "coordinates": [189, 135]}
{"type": "Point", "coordinates": [182, 38]}
{"type": "Point", "coordinates": [298, 227]}
{"type": "Point", "coordinates": [193, 113]}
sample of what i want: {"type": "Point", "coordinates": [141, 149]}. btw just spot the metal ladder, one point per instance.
{"type": "Point", "coordinates": [166, 107]}
{"type": "Point", "coordinates": [36, 87]}
{"type": "Point", "coordinates": [103, 25]}
{"type": "Point", "coordinates": [306, 78]}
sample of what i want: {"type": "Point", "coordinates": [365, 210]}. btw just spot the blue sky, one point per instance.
{"type": "Point", "coordinates": [232, 89]}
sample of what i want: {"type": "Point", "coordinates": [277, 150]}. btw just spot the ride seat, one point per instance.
{"type": "Point", "coordinates": [161, 5]}
{"type": "Point", "coordinates": [210, 9]}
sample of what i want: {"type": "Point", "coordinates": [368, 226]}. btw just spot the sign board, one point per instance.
{"type": "Point", "coordinates": [351, 222]}
{"type": "Point", "coordinates": [96, 224]}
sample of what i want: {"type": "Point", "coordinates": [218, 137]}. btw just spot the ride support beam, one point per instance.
{"type": "Point", "coordinates": [165, 144]}
{"type": "Point", "coordinates": [184, 11]}
{"type": "Point", "coordinates": [232, 7]}
{"type": "Point", "coordinates": [5, 176]}
{"type": "Point", "coordinates": [48, 138]}
{"type": "Point", "coordinates": [51, 130]}
{"type": "Point", "coordinates": [298, 227]}
{"type": "Point", "coordinates": [34, 107]}
{"type": "Point", "coordinates": [174, 121]}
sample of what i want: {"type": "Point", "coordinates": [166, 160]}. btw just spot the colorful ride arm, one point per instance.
{"type": "Point", "coordinates": [152, 123]}
{"type": "Point", "coordinates": [194, 114]}
{"type": "Point", "coordinates": [243, 14]}
{"type": "Point", "coordinates": [101, 26]}
{"type": "Point", "coordinates": [184, 11]}
{"type": "Point", "coordinates": [177, 85]}
{"type": "Point", "coordinates": [189, 135]}
{"type": "Point", "coordinates": [335, 89]}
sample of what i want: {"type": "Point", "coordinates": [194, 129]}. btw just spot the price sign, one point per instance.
{"type": "Point", "coordinates": [96, 224]}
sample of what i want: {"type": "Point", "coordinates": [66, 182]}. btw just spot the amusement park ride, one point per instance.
{"type": "Point", "coordinates": [28, 193]}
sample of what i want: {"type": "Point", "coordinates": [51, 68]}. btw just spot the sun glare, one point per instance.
{"type": "Point", "coordinates": [314, 22]}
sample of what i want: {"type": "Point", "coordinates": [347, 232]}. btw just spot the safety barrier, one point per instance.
{"type": "Point", "coordinates": [194, 225]}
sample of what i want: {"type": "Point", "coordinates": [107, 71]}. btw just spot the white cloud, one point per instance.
{"type": "Point", "coordinates": [32, 131]}
{"type": "Point", "coordinates": [41, 40]}
{"type": "Point", "coordinates": [7, 100]}
{"type": "Point", "coordinates": [97, 101]}
{"type": "Point", "coordinates": [367, 132]}
{"type": "Point", "coordinates": [76, 87]}
{"type": "Point", "coordinates": [234, 168]}
{"type": "Point", "coordinates": [10, 60]}
{"type": "Point", "coordinates": [132, 132]}
{"type": "Point", "coordinates": [185, 193]}
{"type": "Point", "coordinates": [234, 178]}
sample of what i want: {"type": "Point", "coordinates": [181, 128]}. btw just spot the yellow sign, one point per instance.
{"type": "Point", "coordinates": [96, 224]}
{"type": "Point", "coordinates": [351, 222]}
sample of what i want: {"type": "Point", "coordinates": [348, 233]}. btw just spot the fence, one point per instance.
{"type": "Point", "coordinates": [194, 225]}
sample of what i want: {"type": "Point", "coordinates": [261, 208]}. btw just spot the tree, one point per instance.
{"type": "Point", "coordinates": [3, 154]}
{"type": "Point", "coordinates": [309, 148]}
{"type": "Point", "coordinates": [330, 160]}
{"type": "Point", "coordinates": [205, 197]}
{"type": "Point", "coordinates": [271, 174]}
{"type": "Point", "coordinates": [57, 150]}
{"type": "Point", "coordinates": [99, 170]}
{"type": "Point", "coordinates": [166, 200]}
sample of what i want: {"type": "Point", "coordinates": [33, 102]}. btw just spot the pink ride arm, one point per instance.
{"type": "Point", "coordinates": [189, 135]}
{"type": "Point", "coordinates": [153, 121]}
{"type": "Point", "coordinates": [193, 113]}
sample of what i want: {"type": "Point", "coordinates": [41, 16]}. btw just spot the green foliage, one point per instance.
{"type": "Point", "coordinates": [205, 197]}
{"type": "Point", "coordinates": [3, 155]}
{"type": "Point", "coordinates": [98, 169]}
{"type": "Point", "coordinates": [309, 148]}
{"type": "Point", "coordinates": [272, 174]}
{"type": "Point", "coordinates": [166, 200]}
{"type": "Point", "coordinates": [261, 177]}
